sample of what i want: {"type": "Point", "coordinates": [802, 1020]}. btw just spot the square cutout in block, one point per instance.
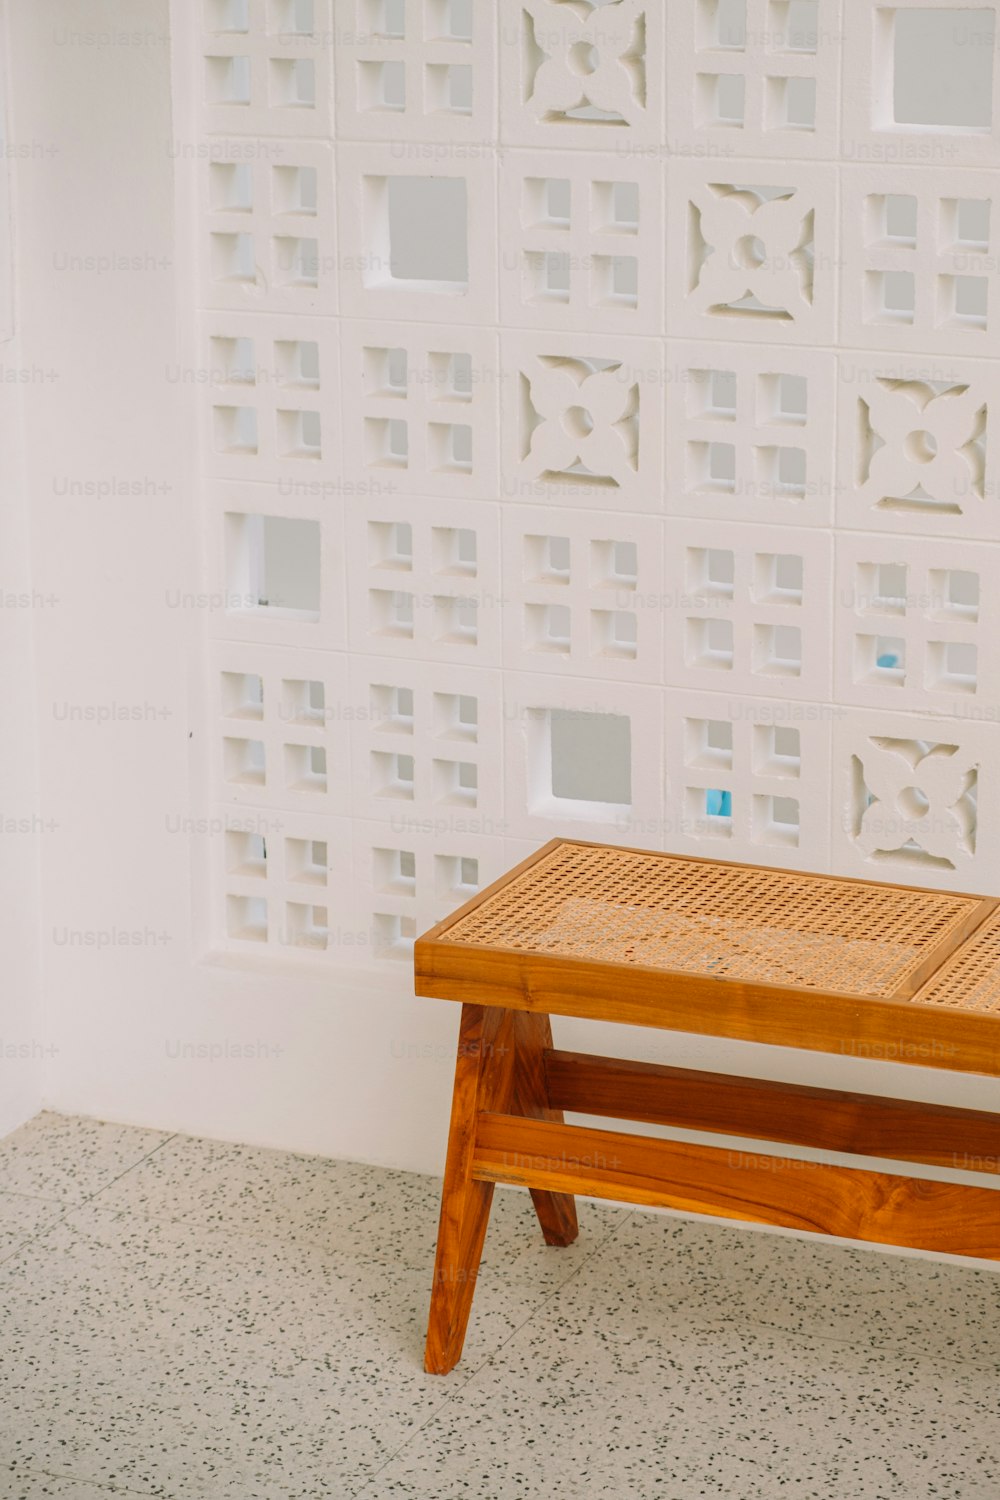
{"type": "Point", "coordinates": [244, 761]}
{"type": "Point", "coordinates": [776, 821]}
{"type": "Point", "coordinates": [778, 650]}
{"type": "Point", "coordinates": [448, 88]}
{"type": "Point", "coordinates": [294, 190]}
{"type": "Point", "coordinates": [393, 935]}
{"type": "Point", "coordinates": [712, 571]}
{"type": "Point", "coordinates": [589, 759]}
{"type": "Point", "coordinates": [386, 18]}
{"type": "Point", "coordinates": [547, 628]}
{"type": "Point", "coordinates": [450, 20]}
{"type": "Point", "coordinates": [387, 443]}
{"type": "Point", "coordinates": [303, 701]}
{"type": "Point", "coordinates": [724, 24]}
{"type": "Point", "coordinates": [449, 447]}
{"type": "Point", "coordinates": [390, 545]}
{"type": "Point", "coordinates": [292, 18]}
{"type": "Point", "coordinates": [292, 82]}
{"type": "Point", "coordinates": [232, 16]}
{"type": "Point", "coordinates": [298, 434]}
{"type": "Point", "coordinates": [783, 398]}
{"type": "Point", "coordinates": [453, 377]}
{"type": "Point", "coordinates": [712, 393]}
{"type": "Point", "coordinates": [386, 372]}
{"type": "Point", "coordinates": [881, 589]}
{"type": "Point", "coordinates": [791, 103]}
{"type": "Point", "coordinates": [456, 876]}
{"type": "Point", "coordinates": [394, 871]}
{"type": "Point", "coordinates": [614, 633]}
{"type": "Point", "coordinates": [721, 99]}
{"type": "Point", "coordinates": [296, 261]}
{"type": "Point", "coordinates": [778, 578]}
{"type": "Point", "coordinates": [952, 666]}
{"type": "Point", "coordinates": [890, 297]}
{"type": "Point", "coordinates": [942, 68]}
{"type": "Point", "coordinates": [305, 768]}
{"type": "Point", "coordinates": [708, 812]}
{"type": "Point", "coordinates": [231, 186]}
{"type": "Point", "coordinates": [391, 708]}
{"type": "Point", "coordinates": [233, 257]}
{"type": "Point", "coordinates": [614, 281]}
{"type": "Point", "coordinates": [382, 85]}
{"type": "Point", "coordinates": [709, 643]}
{"type": "Point", "coordinates": [273, 562]}
{"type": "Point", "coordinates": [708, 744]}
{"type": "Point", "coordinates": [246, 918]}
{"type": "Point", "coordinates": [392, 613]}
{"type": "Point", "coordinates": [392, 775]}
{"type": "Point", "coordinates": [307, 861]}
{"type": "Point", "coordinates": [242, 695]}
{"type": "Point", "coordinates": [297, 363]}
{"type": "Point", "coordinates": [454, 550]}
{"type": "Point", "coordinates": [305, 925]}
{"type": "Point", "coordinates": [234, 429]}
{"type": "Point", "coordinates": [456, 717]}
{"type": "Point", "coordinates": [777, 750]}
{"type": "Point", "coordinates": [955, 594]}
{"type": "Point", "coordinates": [455, 620]}
{"type": "Point", "coordinates": [794, 25]}
{"type": "Point", "coordinates": [246, 854]}
{"type": "Point", "coordinates": [456, 783]}
{"type": "Point", "coordinates": [419, 230]}
{"type": "Point", "coordinates": [614, 207]}
{"type": "Point", "coordinates": [971, 223]}
{"type": "Point", "coordinates": [615, 564]}
{"type": "Point", "coordinates": [712, 467]}
{"type": "Point", "coordinates": [227, 80]}
{"type": "Point", "coordinates": [546, 202]}
{"type": "Point", "coordinates": [964, 301]}
{"type": "Point", "coordinates": [547, 559]}
{"type": "Point", "coordinates": [881, 659]}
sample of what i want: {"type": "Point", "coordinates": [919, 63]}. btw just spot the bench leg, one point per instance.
{"type": "Point", "coordinates": [556, 1211]}
{"type": "Point", "coordinates": [484, 1080]}
{"type": "Point", "coordinates": [500, 1068]}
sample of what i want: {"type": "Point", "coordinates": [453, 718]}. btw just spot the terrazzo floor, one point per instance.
{"type": "Point", "coordinates": [184, 1319]}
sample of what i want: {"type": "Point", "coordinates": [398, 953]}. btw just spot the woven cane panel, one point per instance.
{"type": "Point", "coordinates": [971, 979]}
{"type": "Point", "coordinates": [716, 920]}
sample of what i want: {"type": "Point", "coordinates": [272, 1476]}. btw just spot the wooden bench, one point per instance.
{"type": "Point", "coordinates": [761, 955]}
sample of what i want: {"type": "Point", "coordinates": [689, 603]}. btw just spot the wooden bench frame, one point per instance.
{"type": "Point", "coordinates": [512, 1088]}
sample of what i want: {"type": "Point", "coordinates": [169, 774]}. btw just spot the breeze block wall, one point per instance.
{"type": "Point", "coordinates": [599, 437]}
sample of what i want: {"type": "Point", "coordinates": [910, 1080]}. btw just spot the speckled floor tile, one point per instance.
{"type": "Point", "coordinates": [686, 1412]}
{"type": "Point", "coordinates": [44, 1486]}
{"type": "Point", "coordinates": [223, 1323]}
{"type": "Point", "coordinates": [944, 1312]}
{"type": "Point", "coordinates": [238, 1336]}
{"type": "Point", "coordinates": [387, 1216]}
{"type": "Point", "coordinates": [21, 1218]}
{"type": "Point", "coordinates": [70, 1159]}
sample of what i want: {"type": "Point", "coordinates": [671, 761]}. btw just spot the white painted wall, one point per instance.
{"type": "Point", "coordinates": [23, 826]}
{"type": "Point", "coordinates": [149, 1032]}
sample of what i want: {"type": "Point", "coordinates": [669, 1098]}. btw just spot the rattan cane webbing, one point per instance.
{"type": "Point", "coordinates": [717, 920]}
{"type": "Point", "coordinates": [970, 979]}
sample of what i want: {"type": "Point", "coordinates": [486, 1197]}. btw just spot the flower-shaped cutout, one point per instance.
{"type": "Point", "coordinates": [931, 454]}
{"type": "Point", "coordinates": [580, 422]}
{"type": "Point", "coordinates": [589, 61]}
{"type": "Point", "coordinates": [753, 253]}
{"type": "Point", "coordinates": [919, 799]}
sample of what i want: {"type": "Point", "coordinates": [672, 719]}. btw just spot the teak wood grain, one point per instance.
{"type": "Point", "coordinates": [760, 1109]}
{"type": "Point", "coordinates": [849, 1201]}
{"type": "Point", "coordinates": [512, 1087]}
